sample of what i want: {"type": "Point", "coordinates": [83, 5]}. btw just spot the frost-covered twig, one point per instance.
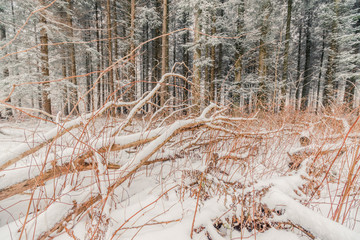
{"type": "Point", "coordinates": [143, 101]}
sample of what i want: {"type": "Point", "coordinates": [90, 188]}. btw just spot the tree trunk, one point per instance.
{"type": "Point", "coordinates": [330, 85]}
{"type": "Point", "coordinates": [219, 70]}
{"type": "Point", "coordinates": [132, 74]}
{"type": "Point", "coordinates": [239, 52]}
{"type": "Point", "coordinates": [2, 38]}
{"type": "Point", "coordinates": [110, 61]}
{"type": "Point", "coordinates": [213, 64]}
{"type": "Point", "coordinates": [44, 51]}
{"type": "Point", "coordinates": [175, 92]}
{"type": "Point", "coordinates": [116, 43]}
{"type": "Point", "coordinates": [195, 88]}
{"type": "Point", "coordinates": [16, 57]}
{"type": "Point", "coordinates": [285, 74]}
{"type": "Point", "coordinates": [308, 56]}
{"type": "Point", "coordinates": [65, 94]}
{"type": "Point", "coordinates": [6, 74]}
{"type": "Point", "coordinates": [352, 95]}
{"type": "Point", "coordinates": [206, 83]}
{"type": "Point", "coordinates": [164, 51]}
{"type": "Point", "coordinates": [186, 57]}
{"type": "Point", "coordinates": [262, 68]}
{"type": "Point", "coordinates": [90, 93]}
{"type": "Point", "coordinates": [298, 90]}
{"type": "Point", "coordinates": [220, 85]}
{"type": "Point", "coordinates": [73, 91]}
{"type": "Point", "coordinates": [319, 93]}
{"type": "Point", "coordinates": [98, 49]}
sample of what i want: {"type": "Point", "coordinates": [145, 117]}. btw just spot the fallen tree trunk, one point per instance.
{"type": "Point", "coordinates": [24, 150]}
{"type": "Point", "coordinates": [139, 161]}
{"type": "Point", "coordinates": [121, 143]}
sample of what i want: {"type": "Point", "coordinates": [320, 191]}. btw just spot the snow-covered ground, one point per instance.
{"type": "Point", "coordinates": [204, 183]}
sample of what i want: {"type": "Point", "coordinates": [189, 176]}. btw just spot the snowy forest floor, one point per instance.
{"type": "Point", "coordinates": [207, 176]}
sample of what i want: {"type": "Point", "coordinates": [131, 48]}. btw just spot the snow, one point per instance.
{"type": "Point", "coordinates": [128, 139]}
{"type": "Point", "coordinates": [36, 141]}
{"type": "Point", "coordinates": [274, 234]}
{"type": "Point", "coordinates": [53, 214]}
{"type": "Point", "coordinates": [159, 201]}
{"type": "Point", "coordinates": [297, 213]}
{"type": "Point", "coordinates": [40, 223]}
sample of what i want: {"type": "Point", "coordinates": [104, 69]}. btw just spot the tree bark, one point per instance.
{"type": "Point", "coordinates": [164, 51]}
{"type": "Point", "coordinates": [100, 84]}
{"type": "Point", "coordinates": [262, 68]}
{"type": "Point", "coordinates": [298, 69]}
{"type": "Point", "coordinates": [116, 44]}
{"type": "Point", "coordinates": [195, 88]}
{"type": "Point", "coordinates": [6, 72]}
{"type": "Point", "coordinates": [330, 85]}
{"type": "Point", "coordinates": [319, 105]}
{"type": "Point", "coordinates": [308, 55]}
{"type": "Point", "coordinates": [110, 51]}
{"type": "Point", "coordinates": [73, 89]}
{"type": "Point", "coordinates": [65, 94]}
{"type": "Point", "coordinates": [285, 74]}
{"type": "Point", "coordinates": [213, 64]}
{"type": "Point", "coordinates": [186, 57]}
{"type": "Point", "coordinates": [156, 55]}
{"type": "Point", "coordinates": [352, 94]}
{"type": "Point", "coordinates": [44, 51]}
{"type": "Point", "coordinates": [89, 81]}
{"type": "Point", "coordinates": [239, 52]}
{"type": "Point", "coordinates": [132, 74]}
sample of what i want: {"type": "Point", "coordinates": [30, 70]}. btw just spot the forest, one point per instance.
{"type": "Point", "coordinates": [187, 119]}
{"type": "Point", "coordinates": [250, 54]}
